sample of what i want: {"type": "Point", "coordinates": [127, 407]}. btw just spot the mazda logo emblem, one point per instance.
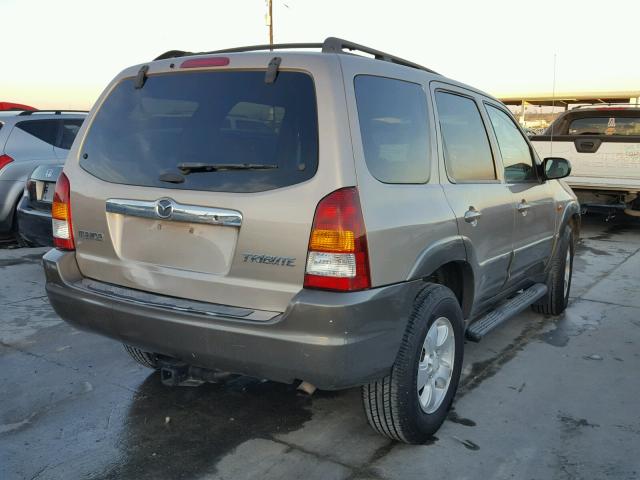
{"type": "Point", "coordinates": [164, 208]}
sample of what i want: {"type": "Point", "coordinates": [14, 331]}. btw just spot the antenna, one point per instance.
{"type": "Point", "coordinates": [553, 101]}
{"type": "Point", "coordinates": [269, 20]}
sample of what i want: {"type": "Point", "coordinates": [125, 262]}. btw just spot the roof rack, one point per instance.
{"type": "Point", "coordinates": [330, 45]}
{"type": "Point", "coordinates": [54, 112]}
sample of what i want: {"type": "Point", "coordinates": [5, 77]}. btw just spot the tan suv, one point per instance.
{"type": "Point", "coordinates": [307, 216]}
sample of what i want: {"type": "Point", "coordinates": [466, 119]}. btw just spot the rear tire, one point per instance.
{"type": "Point", "coordinates": [146, 359]}
{"type": "Point", "coordinates": [395, 406]}
{"type": "Point", "coordinates": [556, 299]}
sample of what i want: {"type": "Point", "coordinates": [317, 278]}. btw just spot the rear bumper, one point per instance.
{"type": "Point", "coordinates": [605, 184]}
{"type": "Point", "coordinates": [332, 340]}
{"type": "Point", "coordinates": [34, 225]}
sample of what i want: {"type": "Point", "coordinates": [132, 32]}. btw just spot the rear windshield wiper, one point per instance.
{"type": "Point", "coordinates": [192, 167]}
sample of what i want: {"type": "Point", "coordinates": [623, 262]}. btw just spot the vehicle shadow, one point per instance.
{"type": "Point", "coordinates": [181, 432]}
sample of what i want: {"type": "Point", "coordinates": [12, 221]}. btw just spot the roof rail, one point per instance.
{"type": "Point", "coordinates": [54, 112]}
{"type": "Point", "coordinates": [330, 45]}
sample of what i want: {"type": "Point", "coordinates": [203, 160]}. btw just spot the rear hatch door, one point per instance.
{"type": "Point", "coordinates": [202, 185]}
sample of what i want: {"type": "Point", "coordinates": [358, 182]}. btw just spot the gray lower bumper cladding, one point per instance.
{"type": "Point", "coordinates": [332, 340]}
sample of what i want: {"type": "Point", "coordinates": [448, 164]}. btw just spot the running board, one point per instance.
{"type": "Point", "coordinates": [505, 311]}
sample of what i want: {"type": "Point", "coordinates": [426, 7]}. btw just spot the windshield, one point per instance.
{"type": "Point", "coordinates": [139, 135]}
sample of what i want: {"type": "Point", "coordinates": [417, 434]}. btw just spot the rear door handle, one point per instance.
{"type": "Point", "coordinates": [472, 215]}
{"type": "Point", "coordinates": [523, 207]}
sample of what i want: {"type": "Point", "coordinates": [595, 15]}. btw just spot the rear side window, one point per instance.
{"type": "Point", "coordinates": [394, 129]}
{"type": "Point", "coordinates": [69, 131]}
{"type": "Point", "coordinates": [216, 118]}
{"type": "Point", "coordinates": [466, 147]}
{"type": "Point", "coordinates": [45, 130]}
{"type": "Point", "coordinates": [609, 125]}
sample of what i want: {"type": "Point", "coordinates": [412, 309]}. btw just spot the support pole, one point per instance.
{"type": "Point", "coordinates": [522, 112]}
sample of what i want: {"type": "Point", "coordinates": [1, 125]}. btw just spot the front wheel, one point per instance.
{"type": "Point", "coordinates": [559, 280]}
{"type": "Point", "coordinates": [410, 404]}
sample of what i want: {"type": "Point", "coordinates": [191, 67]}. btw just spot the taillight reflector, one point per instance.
{"type": "Point", "coordinates": [5, 160]}
{"type": "Point", "coordinates": [61, 215]}
{"type": "Point", "coordinates": [338, 258]}
{"type": "Point", "coordinates": [205, 62]}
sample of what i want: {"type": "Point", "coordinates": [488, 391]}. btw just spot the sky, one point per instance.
{"type": "Point", "coordinates": [63, 53]}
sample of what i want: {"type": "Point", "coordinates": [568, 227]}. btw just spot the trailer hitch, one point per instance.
{"type": "Point", "coordinates": [179, 374]}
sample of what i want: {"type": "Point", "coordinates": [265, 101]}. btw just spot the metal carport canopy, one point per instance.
{"type": "Point", "coordinates": [564, 99]}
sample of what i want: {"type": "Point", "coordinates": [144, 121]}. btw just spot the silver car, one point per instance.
{"type": "Point", "coordinates": [29, 139]}
{"type": "Point", "coordinates": [315, 217]}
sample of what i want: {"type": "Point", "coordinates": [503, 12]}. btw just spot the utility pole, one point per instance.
{"type": "Point", "coordinates": [269, 20]}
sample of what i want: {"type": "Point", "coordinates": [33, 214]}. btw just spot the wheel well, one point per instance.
{"type": "Point", "coordinates": [458, 277]}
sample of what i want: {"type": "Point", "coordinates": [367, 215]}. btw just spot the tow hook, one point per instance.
{"type": "Point", "coordinates": [180, 374]}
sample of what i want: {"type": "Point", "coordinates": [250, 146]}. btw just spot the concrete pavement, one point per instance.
{"type": "Point", "coordinates": [541, 398]}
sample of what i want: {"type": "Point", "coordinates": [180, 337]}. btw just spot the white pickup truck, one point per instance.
{"type": "Point", "coordinates": [603, 145]}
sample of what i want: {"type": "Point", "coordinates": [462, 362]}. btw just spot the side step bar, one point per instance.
{"type": "Point", "coordinates": [505, 311]}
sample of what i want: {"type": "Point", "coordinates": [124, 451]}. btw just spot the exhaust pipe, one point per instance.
{"type": "Point", "coordinates": [307, 388]}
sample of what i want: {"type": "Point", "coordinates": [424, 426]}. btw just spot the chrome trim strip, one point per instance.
{"type": "Point", "coordinates": [178, 213]}
{"type": "Point", "coordinates": [184, 305]}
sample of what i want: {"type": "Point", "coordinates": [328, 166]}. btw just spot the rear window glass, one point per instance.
{"type": "Point", "coordinates": [45, 130]}
{"type": "Point", "coordinates": [393, 124]}
{"type": "Point", "coordinates": [216, 118]}
{"type": "Point", "coordinates": [609, 125]}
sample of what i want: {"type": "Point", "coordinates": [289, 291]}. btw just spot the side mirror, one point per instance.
{"type": "Point", "coordinates": [555, 168]}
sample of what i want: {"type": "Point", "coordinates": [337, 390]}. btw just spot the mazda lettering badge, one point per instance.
{"type": "Point", "coordinates": [164, 208]}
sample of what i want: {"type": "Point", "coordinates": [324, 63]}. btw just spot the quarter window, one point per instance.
{"type": "Point", "coordinates": [466, 147]}
{"type": "Point", "coordinates": [516, 155]}
{"type": "Point", "coordinates": [45, 130]}
{"type": "Point", "coordinates": [394, 129]}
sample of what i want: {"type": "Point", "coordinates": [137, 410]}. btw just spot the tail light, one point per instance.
{"type": "Point", "coordinates": [5, 160]}
{"type": "Point", "coordinates": [338, 258]}
{"type": "Point", "coordinates": [61, 215]}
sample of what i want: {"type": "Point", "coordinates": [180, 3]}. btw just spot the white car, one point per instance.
{"type": "Point", "coordinates": [603, 145]}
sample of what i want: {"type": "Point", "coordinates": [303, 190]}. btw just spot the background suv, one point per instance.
{"type": "Point", "coordinates": [29, 139]}
{"type": "Point", "coordinates": [307, 216]}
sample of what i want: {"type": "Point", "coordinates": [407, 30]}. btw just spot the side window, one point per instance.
{"type": "Point", "coordinates": [69, 131]}
{"type": "Point", "coordinates": [45, 130]}
{"type": "Point", "coordinates": [516, 155]}
{"type": "Point", "coordinates": [394, 129]}
{"type": "Point", "coordinates": [467, 152]}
